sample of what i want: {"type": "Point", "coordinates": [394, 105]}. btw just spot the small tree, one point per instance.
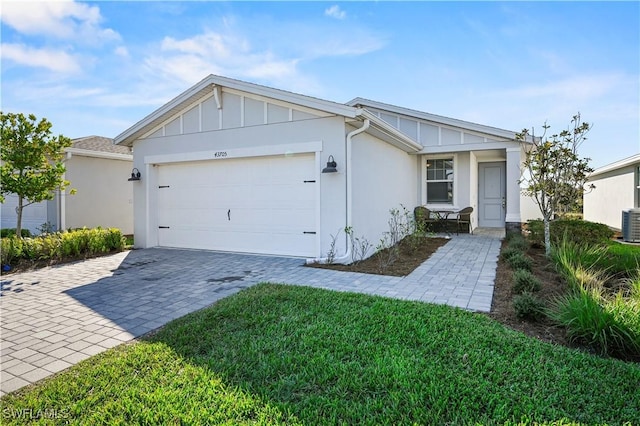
{"type": "Point", "coordinates": [554, 174]}
{"type": "Point", "coordinates": [32, 164]}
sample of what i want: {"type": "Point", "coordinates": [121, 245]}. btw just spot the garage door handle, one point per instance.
{"type": "Point", "coordinates": [163, 227]}
{"type": "Point", "coordinates": [229, 214]}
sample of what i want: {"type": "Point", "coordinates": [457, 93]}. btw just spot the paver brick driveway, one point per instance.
{"type": "Point", "coordinates": [55, 317]}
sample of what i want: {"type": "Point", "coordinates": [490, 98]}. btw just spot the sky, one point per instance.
{"type": "Point", "coordinates": [96, 68]}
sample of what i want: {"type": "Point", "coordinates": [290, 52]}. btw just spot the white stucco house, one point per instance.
{"type": "Point", "coordinates": [97, 170]}
{"type": "Point", "coordinates": [235, 166]}
{"type": "Point", "coordinates": [617, 188]}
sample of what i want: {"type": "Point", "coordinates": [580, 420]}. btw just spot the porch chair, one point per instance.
{"type": "Point", "coordinates": [464, 218]}
{"type": "Point", "coordinates": [423, 218]}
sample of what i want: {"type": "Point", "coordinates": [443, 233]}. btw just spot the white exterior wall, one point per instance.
{"type": "Point", "coordinates": [384, 178]}
{"type": "Point", "coordinates": [33, 216]}
{"type": "Point", "coordinates": [104, 196]}
{"type": "Point", "coordinates": [326, 135]}
{"type": "Point", "coordinates": [614, 192]}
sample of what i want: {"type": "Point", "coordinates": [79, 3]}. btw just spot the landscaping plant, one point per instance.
{"type": "Point", "coordinates": [61, 245]}
{"type": "Point", "coordinates": [595, 311]}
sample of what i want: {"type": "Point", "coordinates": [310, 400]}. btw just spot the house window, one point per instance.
{"type": "Point", "coordinates": [440, 181]}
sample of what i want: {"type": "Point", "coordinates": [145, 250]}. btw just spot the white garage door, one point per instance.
{"type": "Point", "coordinates": [252, 205]}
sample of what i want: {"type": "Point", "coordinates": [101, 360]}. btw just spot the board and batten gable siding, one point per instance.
{"type": "Point", "coordinates": [237, 110]}
{"type": "Point", "coordinates": [325, 136]}
{"type": "Point", "coordinates": [614, 192]}
{"type": "Point", "coordinates": [436, 135]}
{"type": "Point", "coordinates": [384, 178]}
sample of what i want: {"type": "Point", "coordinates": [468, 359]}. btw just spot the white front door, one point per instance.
{"type": "Point", "coordinates": [253, 205]}
{"type": "Point", "coordinates": [491, 195]}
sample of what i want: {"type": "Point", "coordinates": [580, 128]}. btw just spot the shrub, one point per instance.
{"type": "Point", "coordinates": [8, 232]}
{"type": "Point", "coordinates": [577, 231]}
{"type": "Point", "coordinates": [10, 249]}
{"type": "Point", "coordinates": [60, 245]}
{"type": "Point", "coordinates": [518, 242]}
{"type": "Point", "coordinates": [528, 306]}
{"type": "Point", "coordinates": [525, 282]}
{"type": "Point", "coordinates": [520, 261]}
{"type": "Point", "coordinates": [508, 252]}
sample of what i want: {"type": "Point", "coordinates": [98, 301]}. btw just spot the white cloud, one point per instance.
{"type": "Point", "coordinates": [60, 19]}
{"type": "Point", "coordinates": [53, 60]}
{"type": "Point", "coordinates": [335, 12]}
{"type": "Point", "coordinates": [191, 59]}
{"type": "Point", "coordinates": [121, 51]}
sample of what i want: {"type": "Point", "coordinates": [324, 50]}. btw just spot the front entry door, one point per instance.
{"type": "Point", "coordinates": [491, 195]}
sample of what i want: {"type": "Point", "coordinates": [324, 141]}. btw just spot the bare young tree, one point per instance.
{"type": "Point", "coordinates": [554, 175]}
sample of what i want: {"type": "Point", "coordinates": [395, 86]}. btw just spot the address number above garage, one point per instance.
{"type": "Point", "coordinates": [257, 151]}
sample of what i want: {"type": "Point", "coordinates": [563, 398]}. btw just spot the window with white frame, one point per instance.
{"type": "Point", "coordinates": [440, 181]}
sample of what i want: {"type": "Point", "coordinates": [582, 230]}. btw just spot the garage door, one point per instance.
{"type": "Point", "coordinates": [253, 205]}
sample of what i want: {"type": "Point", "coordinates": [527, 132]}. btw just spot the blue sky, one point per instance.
{"type": "Point", "coordinates": [99, 67]}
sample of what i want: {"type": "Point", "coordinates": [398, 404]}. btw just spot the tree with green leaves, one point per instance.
{"type": "Point", "coordinates": [554, 175]}
{"type": "Point", "coordinates": [32, 161]}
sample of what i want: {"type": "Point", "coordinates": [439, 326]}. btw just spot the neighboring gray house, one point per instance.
{"type": "Point", "coordinates": [98, 170]}
{"type": "Point", "coordinates": [235, 166]}
{"type": "Point", "coordinates": [617, 188]}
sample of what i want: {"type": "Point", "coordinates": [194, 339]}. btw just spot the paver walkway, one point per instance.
{"type": "Point", "coordinates": [55, 317]}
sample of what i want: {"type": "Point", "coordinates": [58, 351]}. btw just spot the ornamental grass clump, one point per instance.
{"type": "Point", "coordinates": [597, 311]}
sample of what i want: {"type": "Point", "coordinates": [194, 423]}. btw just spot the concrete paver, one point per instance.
{"type": "Point", "coordinates": [55, 317]}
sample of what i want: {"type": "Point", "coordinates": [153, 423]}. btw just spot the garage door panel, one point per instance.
{"type": "Point", "coordinates": [259, 205]}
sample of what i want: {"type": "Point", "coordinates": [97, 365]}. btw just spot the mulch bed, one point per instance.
{"type": "Point", "coordinates": [410, 256]}
{"type": "Point", "coordinates": [552, 286]}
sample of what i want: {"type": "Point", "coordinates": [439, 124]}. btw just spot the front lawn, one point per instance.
{"type": "Point", "coordinates": [277, 354]}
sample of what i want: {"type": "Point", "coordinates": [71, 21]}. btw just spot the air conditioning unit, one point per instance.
{"type": "Point", "coordinates": [631, 225]}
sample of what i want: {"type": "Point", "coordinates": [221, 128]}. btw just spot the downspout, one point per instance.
{"type": "Point", "coordinates": [346, 257]}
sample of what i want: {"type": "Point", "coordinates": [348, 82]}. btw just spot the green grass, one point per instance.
{"type": "Point", "coordinates": [277, 354]}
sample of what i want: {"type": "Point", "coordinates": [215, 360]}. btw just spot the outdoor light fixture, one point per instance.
{"type": "Point", "coordinates": [135, 175]}
{"type": "Point", "coordinates": [331, 166]}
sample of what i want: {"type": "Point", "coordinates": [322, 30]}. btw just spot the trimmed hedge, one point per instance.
{"type": "Point", "coordinates": [575, 230]}
{"type": "Point", "coordinates": [61, 245]}
{"type": "Point", "coordinates": [7, 232]}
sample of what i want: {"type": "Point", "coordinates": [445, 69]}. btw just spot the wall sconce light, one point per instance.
{"type": "Point", "coordinates": [331, 166]}
{"type": "Point", "coordinates": [135, 175]}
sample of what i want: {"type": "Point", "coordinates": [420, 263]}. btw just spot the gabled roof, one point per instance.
{"type": "Point", "coordinates": [436, 119]}
{"type": "Point", "coordinates": [625, 162]}
{"type": "Point", "coordinates": [99, 143]}
{"type": "Point", "coordinates": [100, 147]}
{"type": "Point", "coordinates": [207, 85]}
{"type": "Point", "coordinates": [212, 82]}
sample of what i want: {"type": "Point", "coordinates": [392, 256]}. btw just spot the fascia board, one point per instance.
{"type": "Point", "coordinates": [438, 119]}
{"type": "Point", "coordinates": [625, 162]}
{"type": "Point", "coordinates": [285, 96]}
{"type": "Point", "coordinates": [99, 154]}
{"type": "Point", "coordinates": [125, 138]}
{"type": "Point", "coordinates": [207, 84]}
{"type": "Point", "coordinates": [405, 142]}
